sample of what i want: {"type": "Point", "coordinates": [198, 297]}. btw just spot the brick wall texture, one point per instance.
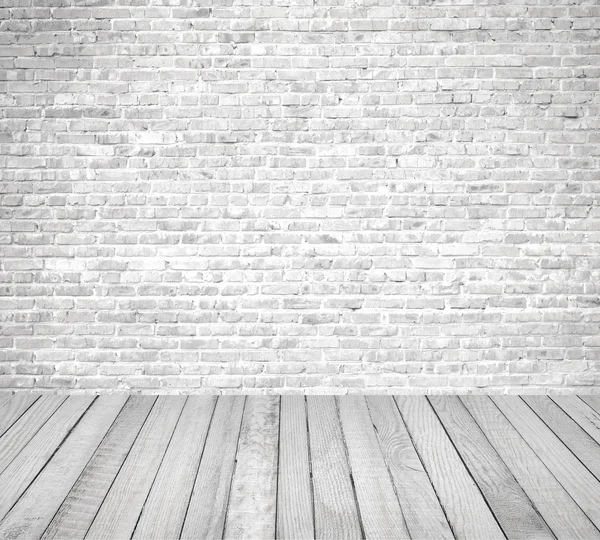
{"type": "Point", "coordinates": [300, 195]}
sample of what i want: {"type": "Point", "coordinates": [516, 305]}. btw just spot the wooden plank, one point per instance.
{"type": "Point", "coordinates": [592, 401]}
{"type": "Point", "coordinates": [554, 504]}
{"type": "Point", "coordinates": [24, 468]}
{"type": "Point", "coordinates": [123, 504]}
{"type": "Point", "coordinates": [335, 505]}
{"type": "Point", "coordinates": [586, 417]}
{"type": "Point", "coordinates": [295, 518]}
{"type": "Point", "coordinates": [421, 508]}
{"type": "Point", "coordinates": [583, 487]}
{"type": "Point", "coordinates": [23, 430]}
{"type": "Point", "coordinates": [379, 507]}
{"type": "Point", "coordinates": [12, 410]}
{"type": "Point", "coordinates": [34, 510]}
{"type": "Point", "coordinates": [77, 511]}
{"type": "Point", "coordinates": [568, 431]}
{"type": "Point", "coordinates": [4, 398]}
{"type": "Point", "coordinates": [164, 511]}
{"type": "Point", "coordinates": [509, 503]}
{"type": "Point", "coordinates": [463, 503]}
{"type": "Point", "coordinates": [208, 504]}
{"type": "Point", "coordinates": [253, 497]}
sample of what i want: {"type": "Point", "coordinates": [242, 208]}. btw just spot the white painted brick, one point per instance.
{"type": "Point", "coordinates": [300, 198]}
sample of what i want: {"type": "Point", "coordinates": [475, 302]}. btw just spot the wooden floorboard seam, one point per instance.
{"type": "Point", "coordinates": [120, 467]}
{"type": "Point", "coordinates": [460, 455]}
{"type": "Point", "coordinates": [352, 482]}
{"type": "Point", "coordinates": [559, 434]}
{"type": "Point", "coordinates": [158, 468]}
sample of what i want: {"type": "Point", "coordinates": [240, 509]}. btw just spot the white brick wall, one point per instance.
{"type": "Point", "coordinates": [299, 195]}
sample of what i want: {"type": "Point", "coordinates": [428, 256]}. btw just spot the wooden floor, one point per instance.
{"type": "Point", "coordinates": [375, 467]}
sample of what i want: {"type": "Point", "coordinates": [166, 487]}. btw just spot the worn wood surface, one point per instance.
{"type": "Point", "coordinates": [581, 484]}
{"type": "Point", "coordinates": [165, 509]}
{"type": "Point", "coordinates": [465, 506]}
{"type": "Point", "coordinates": [294, 493]}
{"type": "Point", "coordinates": [422, 510]}
{"type": "Point", "coordinates": [336, 508]}
{"type": "Point", "coordinates": [76, 513]}
{"type": "Point", "coordinates": [34, 510]}
{"type": "Point", "coordinates": [382, 515]}
{"type": "Point", "coordinates": [297, 467]}
{"type": "Point", "coordinates": [207, 508]}
{"type": "Point", "coordinates": [499, 487]}
{"type": "Point", "coordinates": [253, 498]}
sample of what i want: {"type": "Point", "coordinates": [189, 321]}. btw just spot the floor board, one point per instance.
{"type": "Point", "coordinates": [12, 409]}
{"type": "Point", "coordinates": [21, 471]}
{"type": "Point", "coordinates": [421, 508]}
{"type": "Point", "coordinates": [317, 467]}
{"type": "Point", "coordinates": [581, 484]}
{"type": "Point", "coordinates": [207, 508]}
{"type": "Point", "coordinates": [76, 513]}
{"type": "Point", "coordinates": [466, 509]}
{"type": "Point", "coordinates": [253, 498]}
{"type": "Point", "coordinates": [294, 491]}
{"type": "Point", "coordinates": [35, 509]}
{"type": "Point", "coordinates": [165, 509]}
{"type": "Point", "coordinates": [514, 511]}
{"type": "Point", "coordinates": [336, 508]}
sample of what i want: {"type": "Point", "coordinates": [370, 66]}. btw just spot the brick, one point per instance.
{"type": "Point", "coordinates": [282, 198]}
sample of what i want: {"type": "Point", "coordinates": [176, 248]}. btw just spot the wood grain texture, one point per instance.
{"type": "Point", "coordinates": [465, 507]}
{"type": "Point", "coordinates": [568, 431]}
{"type": "Point", "coordinates": [23, 430]}
{"type": "Point", "coordinates": [592, 401]}
{"type": "Point", "coordinates": [167, 503]}
{"type": "Point", "coordinates": [509, 503]}
{"type": "Point", "coordinates": [13, 408]}
{"type": "Point", "coordinates": [421, 508]}
{"type": "Point", "coordinates": [24, 468]}
{"type": "Point", "coordinates": [295, 518]}
{"type": "Point", "coordinates": [586, 417]}
{"type": "Point", "coordinates": [208, 504]}
{"type": "Point", "coordinates": [34, 510]}
{"type": "Point", "coordinates": [335, 505]}
{"type": "Point", "coordinates": [123, 504]}
{"type": "Point", "coordinates": [4, 398]}
{"type": "Point", "coordinates": [77, 511]}
{"type": "Point", "coordinates": [583, 487]}
{"type": "Point", "coordinates": [253, 497]}
{"type": "Point", "coordinates": [554, 504]}
{"type": "Point", "coordinates": [381, 513]}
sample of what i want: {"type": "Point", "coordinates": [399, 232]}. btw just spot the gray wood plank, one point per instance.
{"type": "Point", "coordinates": [208, 504]}
{"type": "Point", "coordinates": [24, 468]}
{"type": "Point", "coordinates": [421, 508]}
{"type": "Point", "coordinates": [23, 430]}
{"type": "Point", "coordinates": [4, 398]}
{"type": "Point", "coordinates": [34, 510]}
{"type": "Point", "coordinates": [123, 504]}
{"type": "Point", "coordinates": [586, 417]}
{"type": "Point", "coordinates": [592, 401]}
{"type": "Point", "coordinates": [464, 505]}
{"type": "Point", "coordinates": [555, 505]}
{"type": "Point", "coordinates": [295, 518]}
{"type": "Point", "coordinates": [380, 510]}
{"type": "Point", "coordinates": [164, 511]}
{"type": "Point", "coordinates": [568, 431]}
{"type": "Point", "coordinates": [509, 503]}
{"type": "Point", "coordinates": [253, 498]}
{"type": "Point", "coordinates": [583, 487]}
{"type": "Point", "coordinates": [76, 513]}
{"type": "Point", "coordinates": [12, 409]}
{"type": "Point", "coordinates": [335, 505]}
